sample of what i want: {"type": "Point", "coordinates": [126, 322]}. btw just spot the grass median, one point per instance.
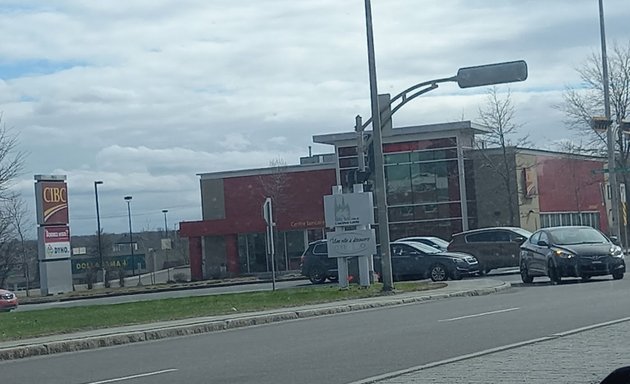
{"type": "Point", "coordinates": [22, 325]}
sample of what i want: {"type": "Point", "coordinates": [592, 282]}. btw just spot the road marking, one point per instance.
{"type": "Point", "coordinates": [133, 376]}
{"type": "Point", "coordinates": [480, 314]}
{"type": "Point", "coordinates": [385, 376]}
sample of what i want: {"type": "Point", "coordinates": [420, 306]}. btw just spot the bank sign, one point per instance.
{"type": "Point", "coordinates": [360, 242]}
{"type": "Point", "coordinates": [51, 198]}
{"type": "Point", "coordinates": [56, 244]}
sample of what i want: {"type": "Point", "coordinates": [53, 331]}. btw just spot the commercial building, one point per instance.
{"type": "Point", "coordinates": [437, 182]}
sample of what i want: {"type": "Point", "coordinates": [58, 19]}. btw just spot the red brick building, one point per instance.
{"type": "Point", "coordinates": [436, 184]}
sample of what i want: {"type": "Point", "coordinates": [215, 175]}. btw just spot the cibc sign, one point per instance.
{"type": "Point", "coordinates": [52, 202]}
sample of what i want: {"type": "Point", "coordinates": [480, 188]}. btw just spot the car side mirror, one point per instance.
{"type": "Point", "coordinates": [542, 243]}
{"type": "Point", "coordinates": [614, 239]}
{"type": "Point", "coordinates": [519, 239]}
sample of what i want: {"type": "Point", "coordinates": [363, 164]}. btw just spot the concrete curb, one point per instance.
{"type": "Point", "coordinates": [53, 299]}
{"type": "Point", "coordinates": [108, 340]}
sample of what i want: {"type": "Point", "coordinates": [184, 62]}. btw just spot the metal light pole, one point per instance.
{"type": "Point", "coordinates": [379, 172]}
{"type": "Point", "coordinates": [133, 257]}
{"type": "Point", "coordinates": [98, 229]}
{"type": "Point", "coordinates": [168, 267]}
{"type": "Point", "coordinates": [610, 137]}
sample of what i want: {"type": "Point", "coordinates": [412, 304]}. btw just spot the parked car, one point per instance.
{"type": "Point", "coordinates": [570, 252]}
{"type": "Point", "coordinates": [317, 266]}
{"type": "Point", "coordinates": [413, 259]}
{"type": "Point", "coordinates": [496, 247]}
{"type": "Point", "coordinates": [433, 241]}
{"type": "Point", "coordinates": [8, 301]}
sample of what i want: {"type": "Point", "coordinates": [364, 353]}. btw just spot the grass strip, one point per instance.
{"type": "Point", "coordinates": [22, 325]}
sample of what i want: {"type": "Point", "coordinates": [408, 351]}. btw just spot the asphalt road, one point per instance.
{"type": "Point", "coordinates": [164, 295]}
{"type": "Point", "coordinates": [342, 348]}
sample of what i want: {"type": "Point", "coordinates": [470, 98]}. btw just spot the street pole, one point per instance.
{"type": "Point", "coordinates": [168, 267]}
{"type": "Point", "coordinates": [610, 136]}
{"type": "Point", "coordinates": [133, 257]}
{"type": "Point", "coordinates": [98, 229]}
{"type": "Point", "coordinates": [379, 172]}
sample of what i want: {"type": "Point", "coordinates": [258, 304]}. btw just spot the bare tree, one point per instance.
{"type": "Point", "coordinates": [585, 101]}
{"type": "Point", "coordinates": [17, 214]}
{"type": "Point", "coordinates": [11, 164]}
{"type": "Point", "coordinates": [498, 116]}
{"type": "Point", "coordinates": [274, 186]}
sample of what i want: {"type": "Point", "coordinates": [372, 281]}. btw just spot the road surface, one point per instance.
{"type": "Point", "coordinates": [341, 348]}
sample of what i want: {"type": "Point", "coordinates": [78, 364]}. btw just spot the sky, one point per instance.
{"type": "Point", "coordinates": [146, 94]}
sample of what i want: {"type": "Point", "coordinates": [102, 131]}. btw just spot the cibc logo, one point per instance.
{"type": "Point", "coordinates": [52, 202]}
{"type": "Point", "coordinates": [55, 194]}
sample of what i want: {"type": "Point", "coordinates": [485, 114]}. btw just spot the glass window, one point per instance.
{"type": "Point", "coordinates": [480, 237]}
{"type": "Point", "coordinates": [422, 156]}
{"type": "Point", "coordinates": [347, 151]}
{"type": "Point", "coordinates": [295, 248]}
{"type": "Point", "coordinates": [398, 184]}
{"type": "Point", "coordinates": [349, 162]}
{"type": "Point", "coordinates": [397, 158]}
{"type": "Point", "coordinates": [543, 237]}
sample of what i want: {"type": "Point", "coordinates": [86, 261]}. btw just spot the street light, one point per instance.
{"type": "Point", "coordinates": [466, 78]}
{"type": "Point", "coordinates": [168, 267]}
{"type": "Point", "coordinates": [610, 138]}
{"type": "Point", "coordinates": [133, 257]}
{"type": "Point", "coordinates": [98, 229]}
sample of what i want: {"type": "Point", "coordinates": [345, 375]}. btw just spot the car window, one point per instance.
{"type": "Point", "coordinates": [568, 236]}
{"type": "Point", "coordinates": [398, 250]}
{"type": "Point", "coordinates": [320, 249]}
{"type": "Point", "coordinates": [543, 237]}
{"type": "Point", "coordinates": [534, 238]}
{"type": "Point", "coordinates": [480, 237]}
{"type": "Point", "coordinates": [502, 236]}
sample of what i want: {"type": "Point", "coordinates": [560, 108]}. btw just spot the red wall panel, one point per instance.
{"type": "Point", "coordinates": [566, 184]}
{"type": "Point", "coordinates": [299, 203]}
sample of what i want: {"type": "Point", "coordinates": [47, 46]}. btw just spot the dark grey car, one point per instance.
{"type": "Point", "coordinates": [570, 252]}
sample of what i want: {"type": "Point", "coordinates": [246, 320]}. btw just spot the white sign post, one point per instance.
{"type": "Point", "coordinates": [343, 211]}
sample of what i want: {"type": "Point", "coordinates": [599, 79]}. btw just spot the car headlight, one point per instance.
{"type": "Point", "coordinates": [563, 254]}
{"type": "Point", "coordinates": [458, 261]}
{"type": "Point", "coordinates": [616, 251]}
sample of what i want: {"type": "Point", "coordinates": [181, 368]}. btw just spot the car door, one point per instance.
{"type": "Point", "coordinates": [418, 261]}
{"type": "Point", "coordinates": [539, 254]}
{"type": "Point", "coordinates": [527, 252]}
{"type": "Point", "coordinates": [400, 261]}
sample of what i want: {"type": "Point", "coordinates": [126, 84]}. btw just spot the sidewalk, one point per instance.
{"type": "Point", "coordinates": [144, 332]}
{"type": "Point", "coordinates": [585, 357]}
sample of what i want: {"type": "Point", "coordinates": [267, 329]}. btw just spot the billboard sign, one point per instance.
{"type": "Point", "coordinates": [349, 209]}
{"type": "Point", "coordinates": [56, 242]}
{"type": "Point", "coordinates": [360, 242]}
{"type": "Point", "coordinates": [51, 198]}
{"type": "Point", "coordinates": [82, 264]}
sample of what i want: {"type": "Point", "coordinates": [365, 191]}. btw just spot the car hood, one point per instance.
{"type": "Point", "coordinates": [587, 249]}
{"type": "Point", "coordinates": [458, 255]}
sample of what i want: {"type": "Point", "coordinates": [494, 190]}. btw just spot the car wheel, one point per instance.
{"type": "Point", "coordinates": [438, 273]}
{"type": "Point", "coordinates": [617, 275]}
{"type": "Point", "coordinates": [333, 279]}
{"type": "Point", "coordinates": [527, 279]}
{"type": "Point", "coordinates": [317, 275]}
{"type": "Point", "coordinates": [553, 273]}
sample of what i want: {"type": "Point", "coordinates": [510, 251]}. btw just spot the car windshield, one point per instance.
{"type": "Point", "coordinates": [572, 236]}
{"type": "Point", "coordinates": [423, 247]}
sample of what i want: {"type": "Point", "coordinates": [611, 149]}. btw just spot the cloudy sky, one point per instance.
{"type": "Point", "coordinates": [145, 94]}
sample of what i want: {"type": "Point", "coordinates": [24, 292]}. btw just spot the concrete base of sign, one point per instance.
{"type": "Point", "coordinates": [55, 276]}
